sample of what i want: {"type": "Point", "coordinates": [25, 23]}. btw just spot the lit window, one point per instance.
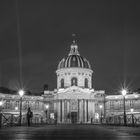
{"type": "Point", "coordinates": [131, 103]}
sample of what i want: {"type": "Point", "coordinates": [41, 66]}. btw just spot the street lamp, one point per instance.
{"type": "Point", "coordinates": [132, 110]}
{"type": "Point", "coordinates": [101, 113]}
{"type": "Point", "coordinates": [47, 107]}
{"type": "Point", "coordinates": [1, 104]}
{"type": "Point", "coordinates": [16, 108]}
{"type": "Point", "coordinates": [124, 92]}
{"type": "Point", "coordinates": [21, 93]}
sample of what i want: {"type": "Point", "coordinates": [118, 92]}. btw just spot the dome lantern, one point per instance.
{"type": "Point", "coordinates": [74, 49]}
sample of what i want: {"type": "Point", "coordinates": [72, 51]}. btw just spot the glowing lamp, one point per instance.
{"type": "Point", "coordinates": [21, 92]}
{"type": "Point", "coordinates": [132, 110]}
{"type": "Point", "coordinates": [47, 106]}
{"type": "Point", "coordinates": [101, 106]}
{"type": "Point", "coordinates": [16, 108]}
{"type": "Point", "coordinates": [124, 92]}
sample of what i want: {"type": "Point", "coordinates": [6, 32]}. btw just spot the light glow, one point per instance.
{"type": "Point", "coordinates": [52, 115]}
{"type": "Point", "coordinates": [101, 106]}
{"type": "Point", "coordinates": [1, 103]}
{"type": "Point", "coordinates": [96, 116]}
{"type": "Point", "coordinates": [132, 110]}
{"type": "Point", "coordinates": [47, 106]}
{"type": "Point", "coordinates": [136, 96]}
{"type": "Point", "coordinates": [124, 92]}
{"type": "Point", "coordinates": [21, 92]}
{"type": "Point", "coordinates": [16, 108]}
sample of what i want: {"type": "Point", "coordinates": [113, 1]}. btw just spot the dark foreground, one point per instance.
{"type": "Point", "coordinates": [70, 132]}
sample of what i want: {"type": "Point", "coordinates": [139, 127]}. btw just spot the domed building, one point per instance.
{"type": "Point", "coordinates": [74, 100]}
{"type": "Point", "coordinates": [75, 97]}
{"type": "Point", "coordinates": [74, 70]}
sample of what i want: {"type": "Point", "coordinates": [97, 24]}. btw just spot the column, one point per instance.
{"type": "Point", "coordinates": [83, 110]}
{"type": "Point", "coordinates": [61, 111]}
{"type": "Point", "coordinates": [87, 110]}
{"type": "Point", "coordinates": [78, 117]}
{"type": "Point", "coordinates": [58, 111]}
{"type": "Point", "coordinates": [68, 111]}
{"type": "Point", "coordinates": [80, 111]}
{"type": "Point", "coordinates": [65, 111]}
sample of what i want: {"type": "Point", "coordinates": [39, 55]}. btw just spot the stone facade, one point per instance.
{"type": "Point", "coordinates": [74, 100]}
{"type": "Point", "coordinates": [11, 106]}
{"type": "Point", "coordinates": [114, 104]}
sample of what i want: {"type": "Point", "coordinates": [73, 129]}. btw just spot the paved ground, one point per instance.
{"type": "Point", "coordinates": [70, 132]}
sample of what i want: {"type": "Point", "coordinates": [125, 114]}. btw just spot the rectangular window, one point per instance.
{"type": "Point", "coordinates": [111, 104]}
{"type": "Point", "coordinates": [121, 104]}
{"type": "Point", "coordinates": [37, 105]}
{"type": "Point", "coordinates": [131, 103]}
{"type": "Point", "coordinates": [7, 105]}
{"type": "Point", "coordinates": [17, 104]}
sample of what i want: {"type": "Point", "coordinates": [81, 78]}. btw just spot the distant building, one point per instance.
{"type": "Point", "coordinates": [114, 104]}
{"type": "Point", "coordinates": [74, 100]}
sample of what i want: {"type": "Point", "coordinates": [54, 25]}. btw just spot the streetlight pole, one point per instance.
{"type": "Point", "coordinates": [124, 92]}
{"type": "Point", "coordinates": [21, 93]}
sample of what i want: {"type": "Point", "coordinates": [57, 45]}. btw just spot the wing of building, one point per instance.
{"type": "Point", "coordinates": [74, 100]}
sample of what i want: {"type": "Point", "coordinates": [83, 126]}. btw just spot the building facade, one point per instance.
{"type": "Point", "coordinates": [74, 100]}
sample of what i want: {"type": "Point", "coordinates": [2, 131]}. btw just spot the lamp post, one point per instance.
{"type": "Point", "coordinates": [47, 107]}
{"type": "Point", "coordinates": [104, 106]}
{"type": "Point", "coordinates": [132, 110]}
{"type": "Point", "coordinates": [101, 113]}
{"type": "Point", "coordinates": [1, 104]}
{"type": "Point", "coordinates": [21, 93]}
{"type": "Point", "coordinates": [124, 92]}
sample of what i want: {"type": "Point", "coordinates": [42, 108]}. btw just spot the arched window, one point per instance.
{"type": "Point", "coordinates": [62, 83]}
{"type": "Point", "coordinates": [86, 83]}
{"type": "Point", "coordinates": [74, 81]}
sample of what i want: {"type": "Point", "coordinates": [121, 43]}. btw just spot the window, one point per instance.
{"type": "Point", "coordinates": [36, 105]}
{"type": "Point", "coordinates": [7, 104]}
{"type": "Point", "coordinates": [111, 104]}
{"type": "Point", "coordinates": [131, 103]}
{"type": "Point", "coordinates": [62, 83]}
{"type": "Point", "coordinates": [121, 104]}
{"type": "Point", "coordinates": [86, 83]}
{"type": "Point", "coordinates": [74, 81]}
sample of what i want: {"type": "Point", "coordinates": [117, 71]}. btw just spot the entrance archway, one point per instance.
{"type": "Point", "coordinates": [74, 116]}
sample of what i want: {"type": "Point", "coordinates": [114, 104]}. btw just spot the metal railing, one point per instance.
{"type": "Point", "coordinates": [131, 120]}
{"type": "Point", "coordinates": [7, 120]}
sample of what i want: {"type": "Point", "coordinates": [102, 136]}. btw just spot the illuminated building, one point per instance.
{"type": "Point", "coordinates": [74, 100]}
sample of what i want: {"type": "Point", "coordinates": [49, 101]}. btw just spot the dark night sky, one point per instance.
{"type": "Point", "coordinates": [107, 33]}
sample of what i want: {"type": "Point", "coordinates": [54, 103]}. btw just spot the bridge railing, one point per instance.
{"type": "Point", "coordinates": [131, 120]}
{"type": "Point", "coordinates": [9, 119]}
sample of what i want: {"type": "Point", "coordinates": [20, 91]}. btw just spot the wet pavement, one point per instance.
{"type": "Point", "coordinates": [69, 132]}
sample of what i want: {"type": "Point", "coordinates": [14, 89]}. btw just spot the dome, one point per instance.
{"type": "Point", "coordinates": [74, 59]}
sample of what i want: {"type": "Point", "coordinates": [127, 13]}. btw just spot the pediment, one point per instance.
{"type": "Point", "coordinates": [74, 93]}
